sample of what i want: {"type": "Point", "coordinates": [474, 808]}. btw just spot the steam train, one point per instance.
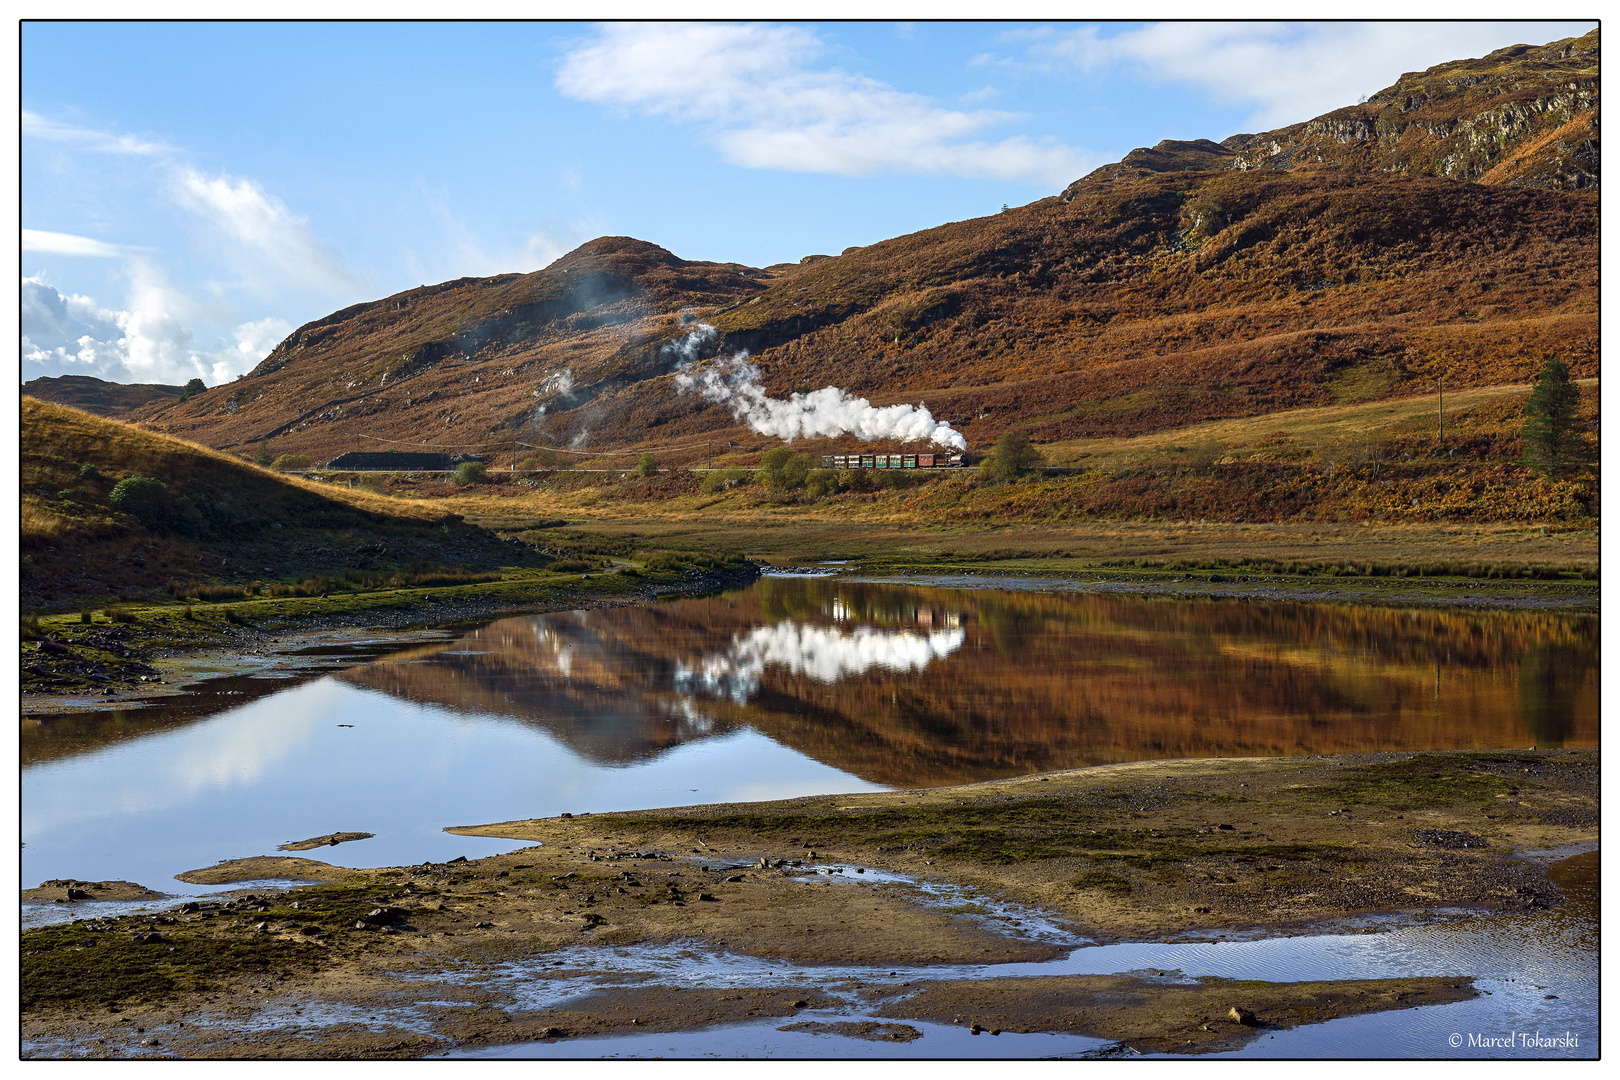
{"type": "Point", "coordinates": [892, 461]}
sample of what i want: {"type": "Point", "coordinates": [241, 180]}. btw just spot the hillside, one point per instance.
{"type": "Point", "coordinates": [1520, 117]}
{"type": "Point", "coordinates": [221, 519]}
{"type": "Point", "coordinates": [98, 395]}
{"type": "Point", "coordinates": [1444, 228]}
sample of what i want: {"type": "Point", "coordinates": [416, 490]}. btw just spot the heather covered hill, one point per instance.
{"type": "Point", "coordinates": [98, 395]}
{"type": "Point", "coordinates": [213, 517]}
{"type": "Point", "coordinates": [1523, 116]}
{"type": "Point", "coordinates": [1181, 285]}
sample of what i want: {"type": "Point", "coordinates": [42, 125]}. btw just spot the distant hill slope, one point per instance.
{"type": "Point", "coordinates": [1447, 231]}
{"type": "Point", "coordinates": [1522, 117]}
{"type": "Point", "coordinates": [98, 395]}
{"type": "Point", "coordinates": [226, 520]}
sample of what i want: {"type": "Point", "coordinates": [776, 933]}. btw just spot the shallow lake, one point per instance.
{"type": "Point", "coordinates": [789, 687]}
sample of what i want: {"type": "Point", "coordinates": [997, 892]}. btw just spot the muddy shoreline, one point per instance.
{"type": "Point", "coordinates": [417, 960]}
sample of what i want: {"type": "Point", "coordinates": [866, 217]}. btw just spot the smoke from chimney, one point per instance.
{"type": "Point", "coordinates": [830, 411]}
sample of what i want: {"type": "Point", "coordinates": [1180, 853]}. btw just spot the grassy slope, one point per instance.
{"type": "Point", "coordinates": [1347, 484]}
{"type": "Point", "coordinates": [233, 521]}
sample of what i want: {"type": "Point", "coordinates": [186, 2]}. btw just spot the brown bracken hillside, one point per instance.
{"type": "Point", "coordinates": [1447, 227]}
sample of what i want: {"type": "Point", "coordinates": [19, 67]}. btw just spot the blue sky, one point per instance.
{"type": "Point", "coordinates": [191, 192]}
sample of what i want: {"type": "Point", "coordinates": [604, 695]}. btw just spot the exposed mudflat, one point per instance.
{"type": "Point", "coordinates": [429, 958]}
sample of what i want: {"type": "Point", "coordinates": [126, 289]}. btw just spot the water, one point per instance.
{"type": "Point", "coordinates": [794, 686]}
{"type": "Point", "coordinates": [1538, 971]}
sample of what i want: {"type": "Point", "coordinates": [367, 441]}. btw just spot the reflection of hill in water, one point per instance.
{"type": "Point", "coordinates": [917, 686]}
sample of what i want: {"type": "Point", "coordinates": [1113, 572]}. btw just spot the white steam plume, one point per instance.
{"type": "Point", "coordinates": [827, 412]}
{"type": "Point", "coordinates": [824, 654]}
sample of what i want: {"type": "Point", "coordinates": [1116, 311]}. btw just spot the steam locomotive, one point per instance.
{"type": "Point", "coordinates": [892, 461]}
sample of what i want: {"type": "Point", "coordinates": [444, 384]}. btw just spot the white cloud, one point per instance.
{"type": "Point", "coordinates": [764, 105]}
{"type": "Point", "coordinates": [1289, 72]}
{"type": "Point", "coordinates": [145, 342]}
{"type": "Point", "coordinates": [266, 229]}
{"type": "Point", "coordinates": [38, 127]}
{"type": "Point", "coordinates": [56, 243]}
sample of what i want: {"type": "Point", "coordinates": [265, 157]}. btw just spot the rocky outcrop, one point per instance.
{"type": "Point", "coordinates": [1522, 116]}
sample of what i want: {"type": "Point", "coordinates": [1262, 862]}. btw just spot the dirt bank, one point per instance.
{"type": "Point", "coordinates": [411, 960]}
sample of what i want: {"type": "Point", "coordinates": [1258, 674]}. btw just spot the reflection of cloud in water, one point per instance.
{"type": "Point", "coordinates": [232, 751]}
{"type": "Point", "coordinates": [824, 654]}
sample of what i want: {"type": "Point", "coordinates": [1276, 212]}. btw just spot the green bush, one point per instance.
{"type": "Point", "coordinates": [143, 498]}
{"type": "Point", "coordinates": [192, 389]}
{"type": "Point", "coordinates": [1014, 456]}
{"type": "Point", "coordinates": [647, 466]}
{"type": "Point", "coordinates": [88, 471]}
{"type": "Point", "coordinates": [724, 480]}
{"type": "Point", "coordinates": [782, 470]}
{"type": "Point", "coordinates": [291, 463]}
{"type": "Point", "coordinates": [469, 472]}
{"type": "Point", "coordinates": [821, 482]}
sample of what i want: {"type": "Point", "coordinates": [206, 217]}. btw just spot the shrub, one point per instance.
{"type": "Point", "coordinates": [86, 617]}
{"type": "Point", "coordinates": [291, 463]}
{"type": "Point", "coordinates": [724, 480]}
{"type": "Point", "coordinates": [781, 469]}
{"type": "Point", "coordinates": [469, 472]}
{"type": "Point", "coordinates": [88, 471]}
{"type": "Point", "coordinates": [821, 482]}
{"type": "Point", "coordinates": [1014, 456]}
{"type": "Point", "coordinates": [192, 389]}
{"type": "Point", "coordinates": [143, 498]}
{"type": "Point", "coordinates": [647, 466]}
{"type": "Point", "coordinates": [120, 615]}
{"type": "Point", "coordinates": [31, 630]}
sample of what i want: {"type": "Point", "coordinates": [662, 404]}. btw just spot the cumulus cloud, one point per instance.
{"type": "Point", "coordinates": [265, 229]}
{"type": "Point", "coordinates": [145, 342]}
{"type": "Point", "coordinates": [1287, 71]}
{"type": "Point", "coordinates": [56, 243]}
{"type": "Point", "coordinates": [762, 101]}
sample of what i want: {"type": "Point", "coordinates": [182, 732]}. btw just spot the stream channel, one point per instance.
{"type": "Point", "coordinates": [820, 685]}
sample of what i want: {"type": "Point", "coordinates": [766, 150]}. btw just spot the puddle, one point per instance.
{"type": "Point", "coordinates": [1538, 971]}
{"type": "Point", "coordinates": [763, 1040]}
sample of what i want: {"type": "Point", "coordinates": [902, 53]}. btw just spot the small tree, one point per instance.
{"type": "Point", "coordinates": [192, 389]}
{"type": "Point", "coordinates": [469, 472]}
{"type": "Point", "coordinates": [782, 469]}
{"type": "Point", "coordinates": [142, 497]}
{"type": "Point", "coordinates": [263, 456]}
{"type": "Point", "coordinates": [1013, 456]}
{"type": "Point", "coordinates": [647, 466]}
{"type": "Point", "coordinates": [1552, 445]}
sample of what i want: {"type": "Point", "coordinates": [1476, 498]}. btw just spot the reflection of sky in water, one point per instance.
{"type": "Point", "coordinates": [281, 769]}
{"type": "Point", "coordinates": [825, 654]}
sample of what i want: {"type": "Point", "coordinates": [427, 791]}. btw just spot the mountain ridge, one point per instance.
{"type": "Point", "coordinates": [1367, 251]}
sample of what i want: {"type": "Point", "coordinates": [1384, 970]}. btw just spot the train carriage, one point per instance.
{"type": "Point", "coordinates": [891, 461]}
